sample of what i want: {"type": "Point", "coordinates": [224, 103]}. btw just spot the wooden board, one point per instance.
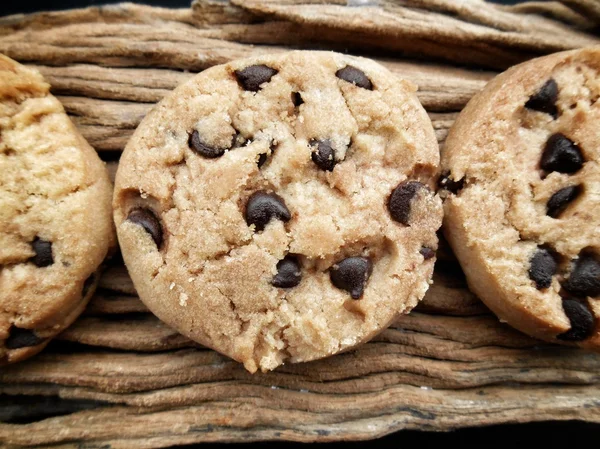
{"type": "Point", "coordinates": [120, 378]}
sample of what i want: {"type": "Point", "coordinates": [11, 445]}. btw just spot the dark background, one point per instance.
{"type": "Point", "coordinates": [24, 6]}
{"type": "Point", "coordinates": [548, 434]}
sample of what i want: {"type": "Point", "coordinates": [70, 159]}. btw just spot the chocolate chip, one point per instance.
{"type": "Point", "coordinates": [43, 252]}
{"type": "Point", "coordinates": [352, 274]}
{"type": "Point", "coordinates": [297, 99]}
{"type": "Point", "coordinates": [399, 203]}
{"type": "Point", "coordinates": [447, 183]}
{"type": "Point", "coordinates": [252, 77]}
{"type": "Point", "coordinates": [561, 199]}
{"type": "Point", "coordinates": [263, 206]}
{"type": "Point", "coordinates": [323, 155]}
{"type": "Point", "coordinates": [89, 282]}
{"type": "Point", "coordinates": [544, 100]}
{"type": "Point", "coordinates": [581, 318]}
{"type": "Point", "coordinates": [584, 279]}
{"type": "Point", "coordinates": [427, 253]}
{"type": "Point", "coordinates": [288, 274]}
{"type": "Point", "coordinates": [202, 149]}
{"type": "Point", "coordinates": [21, 338]}
{"type": "Point", "coordinates": [148, 220]}
{"type": "Point", "coordinates": [562, 155]}
{"type": "Point", "coordinates": [542, 267]}
{"type": "Point", "coordinates": [354, 76]}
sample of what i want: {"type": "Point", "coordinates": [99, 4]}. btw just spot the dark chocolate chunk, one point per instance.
{"type": "Point", "coordinates": [43, 252]}
{"type": "Point", "coordinates": [21, 338]}
{"type": "Point", "coordinates": [544, 100]}
{"type": "Point", "coordinates": [263, 206]}
{"type": "Point", "coordinates": [562, 155]}
{"type": "Point", "coordinates": [148, 220]}
{"type": "Point", "coordinates": [399, 203]}
{"type": "Point", "coordinates": [542, 267]}
{"type": "Point", "coordinates": [351, 274]}
{"type": "Point", "coordinates": [354, 76]}
{"type": "Point", "coordinates": [288, 274]}
{"type": "Point", "coordinates": [561, 199]}
{"type": "Point", "coordinates": [202, 149]}
{"type": "Point", "coordinates": [297, 99]}
{"type": "Point", "coordinates": [581, 318]}
{"type": "Point", "coordinates": [427, 253]}
{"type": "Point", "coordinates": [252, 77]}
{"type": "Point", "coordinates": [584, 279]}
{"type": "Point", "coordinates": [323, 154]}
{"type": "Point", "coordinates": [447, 183]}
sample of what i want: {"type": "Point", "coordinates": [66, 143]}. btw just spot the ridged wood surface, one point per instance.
{"type": "Point", "coordinates": [120, 378]}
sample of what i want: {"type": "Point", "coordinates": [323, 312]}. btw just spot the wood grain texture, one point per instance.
{"type": "Point", "coordinates": [471, 32]}
{"type": "Point", "coordinates": [120, 378]}
{"type": "Point", "coordinates": [255, 417]}
{"type": "Point", "coordinates": [587, 8]}
{"type": "Point", "coordinates": [556, 11]}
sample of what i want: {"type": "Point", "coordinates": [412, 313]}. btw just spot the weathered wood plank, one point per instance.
{"type": "Point", "coordinates": [253, 418]}
{"type": "Point", "coordinates": [419, 351]}
{"type": "Point", "coordinates": [116, 278]}
{"type": "Point", "coordinates": [470, 32]}
{"type": "Point", "coordinates": [131, 381]}
{"type": "Point", "coordinates": [104, 302]}
{"type": "Point", "coordinates": [140, 333]}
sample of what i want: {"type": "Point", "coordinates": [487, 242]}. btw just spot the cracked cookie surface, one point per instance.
{"type": "Point", "coordinates": [55, 215]}
{"type": "Point", "coordinates": [281, 209]}
{"type": "Point", "coordinates": [522, 213]}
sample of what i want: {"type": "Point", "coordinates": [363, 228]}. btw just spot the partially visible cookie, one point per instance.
{"type": "Point", "coordinates": [281, 209]}
{"type": "Point", "coordinates": [55, 215]}
{"type": "Point", "coordinates": [522, 213]}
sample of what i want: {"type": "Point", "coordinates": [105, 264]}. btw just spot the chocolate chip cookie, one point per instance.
{"type": "Point", "coordinates": [55, 215]}
{"type": "Point", "coordinates": [522, 213]}
{"type": "Point", "coordinates": [282, 208]}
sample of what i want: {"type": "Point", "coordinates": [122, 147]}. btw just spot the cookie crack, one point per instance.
{"type": "Point", "coordinates": [511, 198]}
{"type": "Point", "coordinates": [349, 110]}
{"type": "Point", "coordinates": [233, 308]}
{"type": "Point", "coordinates": [286, 344]}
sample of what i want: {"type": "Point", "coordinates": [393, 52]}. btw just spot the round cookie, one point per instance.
{"type": "Point", "coordinates": [55, 215]}
{"type": "Point", "coordinates": [522, 212]}
{"type": "Point", "coordinates": [280, 209]}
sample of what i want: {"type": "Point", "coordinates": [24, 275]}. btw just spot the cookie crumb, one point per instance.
{"type": "Point", "coordinates": [183, 299]}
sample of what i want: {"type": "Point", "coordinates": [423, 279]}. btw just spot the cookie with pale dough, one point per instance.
{"type": "Point", "coordinates": [55, 215]}
{"type": "Point", "coordinates": [522, 178]}
{"type": "Point", "coordinates": [281, 208]}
